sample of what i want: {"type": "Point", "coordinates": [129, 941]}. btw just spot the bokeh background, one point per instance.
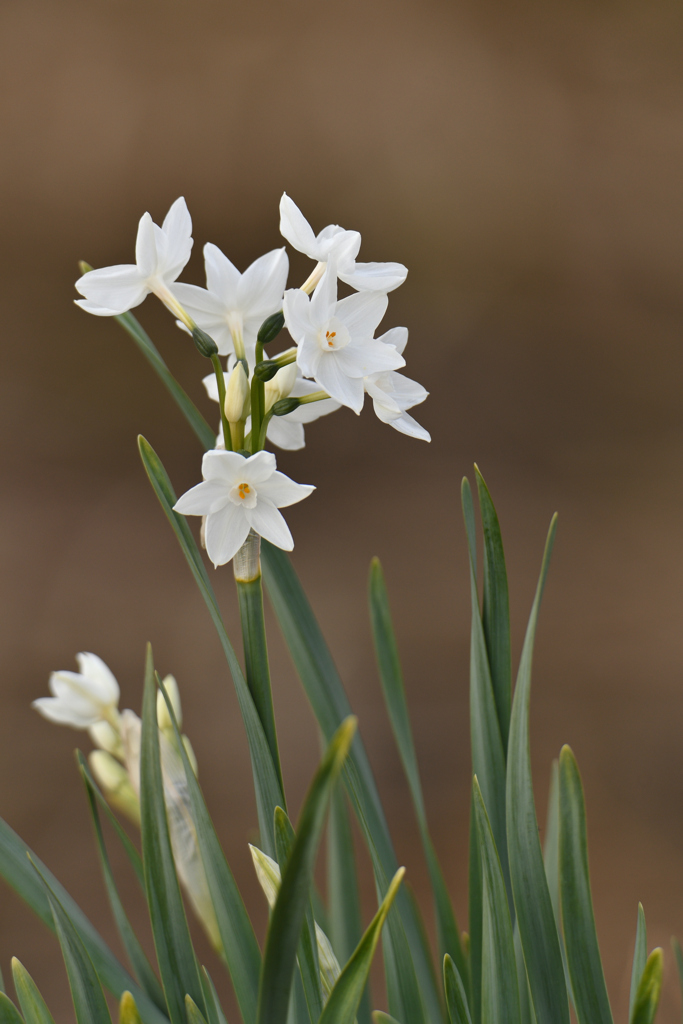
{"type": "Point", "coordinates": [524, 160]}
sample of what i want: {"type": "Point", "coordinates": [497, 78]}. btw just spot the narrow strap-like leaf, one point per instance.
{"type": "Point", "coordinates": [201, 428]}
{"type": "Point", "coordinates": [583, 954]}
{"type": "Point", "coordinates": [134, 858]}
{"type": "Point", "coordinates": [535, 917]}
{"type": "Point", "coordinates": [194, 1014]}
{"type": "Point", "coordinates": [19, 873]}
{"type": "Point", "coordinates": [33, 1006]}
{"type": "Point", "coordinates": [175, 955]}
{"type": "Point", "coordinates": [456, 996]}
{"type": "Point", "coordinates": [551, 863]}
{"type": "Point", "coordinates": [136, 955]}
{"type": "Point", "coordinates": [342, 1005]}
{"type": "Point", "coordinates": [475, 884]}
{"type": "Point", "coordinates": [649, 989]}
{"type": "Point", "coordinates": [380, 1017]}
{"type": "Point", "coordinates": [308, 944]}
{"type": "Point", "coordinates": [325, 691]}
{"type": "Point", "coordinates": [391, 678]}
{"type": "Point", "coordinates": [8, 1011]}
{"type": "Point", "coordinates": [266, 783]}
{"type": "Point", "coordinates": [496, 608]}
{"type": "Point", "coordinates": [639, 958]}
{"type": "Point", "coordinates": [499, 992]}
{"type": "Point", "coordinates": [240, 948]}
{"type": "Point", "coordinates": [214, 1010]}
{"type": "Point", "coordinates": [86, 991]}
{"type": "Point", "coordinates": [288, 914]}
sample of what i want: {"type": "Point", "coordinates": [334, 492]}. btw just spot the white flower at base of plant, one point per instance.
{"type": "Point", "coordinates": [80, 699]}
{"type": "Point", "coordinates": [393, 393]}
{"type": "Point", "coordinates": [335, 243]}
{"type": "Point", "coordinates": [233, 306]}
{"type": "Point", "coordinates": [335, 339]}
{"type": "Point", "coordinates": [238, 495]}
{"type": "Point", "coordinates": [161, 254]}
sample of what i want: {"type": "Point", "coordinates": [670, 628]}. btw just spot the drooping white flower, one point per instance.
{"type": "Point", "coordinates": [335, 243]}
{"type": "Point", "coordinates": [160, 256]}
{"type": "Point", "coordinates": [238, 495]}
{"type": "Point", "coordinates": [335, 339]}
{"type": "Point", "coordinates": [80, 699]}
{"type": "Point", "coordinates": [287, 432]}
{"type": "Point", "coordinates": [233, 306]}
{"type": "Point", "coordinates": [393, 393]}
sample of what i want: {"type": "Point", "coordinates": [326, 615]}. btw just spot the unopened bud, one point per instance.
{"type": "Point", "coordinates": [285, 406]}
{"type": "Point", "coordinates": [237, 395]}
{"type": "Point", "coordinates": [105, 736]}
{"type": "Point", "coordinates": [281, 385]}
{"type": "Point", "coordinates": [84, 267]}
{"type": "Point", "coordinates": [128, 1011]}
{"type": "Point", "coordinates": [205, 344]}
{"type": "Point", "coordinates": [163, 717]}
{"type": "Point", "coordinates": [115, 781]}
{"type": "Point", "coordinates": [266, 370]}
{"type": "Point", "coordinates": [270, 328]}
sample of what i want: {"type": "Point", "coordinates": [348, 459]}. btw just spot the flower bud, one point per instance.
{"type": "Point", "coordinates": [114, 780]}
{"type": "Point", "coordinates": [237, 395]}
{"type": "Point", "coordinates": [205, 344]}
{"type": "Point", "coordinates": [266, 370]}
{"type": "Point", "coordinates": [270, 328]}
{"type": "Point", "coordinates": [281, 385]}
{"type": "Point", "coordinates": [128, 1011]}
{"type": "Point", "coordinates": [163, 718]}
{"type": "Point", "coordinates": [285, 406]}
{"type": "Point", "coordinates": [106, 737]}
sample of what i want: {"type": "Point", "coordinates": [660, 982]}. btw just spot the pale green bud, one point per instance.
{"type": "Point", "coordinates": [114, 780]}
{"type": "Point", "coordinates": [105, 736]}
{"type": "Point", "coordinates": [281, 385]}
{"type": "Point", "coordinates": [163, 718]}
{"type": "Point", "coordinates": [128, 1011]}
{"type": "Point", "coordinates": [237, 395]}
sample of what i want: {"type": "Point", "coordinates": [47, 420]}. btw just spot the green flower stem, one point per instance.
{"type": "Point", "coordinates": [250, 597]}
{"type": "Point", "coordinates": [257, 404]}
{"type": "Point", "coordinates": [220, 381]}
{"type": "Point", "coordinates": [264, 429]}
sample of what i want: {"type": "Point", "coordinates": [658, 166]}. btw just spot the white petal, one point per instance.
{"type": "Point", "coordinates": [93, 307]}
{"type": "Point", "coordinates": [177, 228]}
{"type": "Point", "coordinates": [262, 286]}
{"type": "Point", "coordinates": [383, 399]}
{"type": "Point", "coordinates": [296, 229]}
{"type": "Point", "coordinates": [282, 491]}
{"type": "Point", "coordinates": [338, 385]}
{"type": "Point", "coordinates": [286, 433]}
{"type": "Point", "coordinates": [222, 276]}
{"type": "Point", "coordinates": [117, 288]}
{"type": "Point", "coordinates": [267, 521]}
{"type": "Point", "coordinates": [312, 411]}
{"type": "Point", "coordinates": [376, 277]}
{"type": "Point", "coordinates": [324, 302]}
{"type": "Point", "coordinates": [257, 468]}
{"type": "Point", "coordinates": [344, 248]}
{"type": "Point", "coordinates": [226, 532]}
{"type": "Point", "coordinates": [203, 499]}
{"type": "Point", "coordinates": [222, 465]}
{"type": "Point", "coordinates": [211, 385]}
{"type": "Point", "coordinates": [199, 302]}
{"type": "Point", "coordinates": [101, 677]}
{"type": "Point", "coordinates": [146, 247]}
{"type": "Point", "coordinates": [397, 336]}
{"type": "Point", "coordinates": [362, 312]}
{"type": "Point", "coordinates": [296, 309]}
{"type": "Point", "coordinates": [404, 423]}
{"type": "Point", "coordinates": [365, 357]}
{"type": "Point", "coordinates": [56, 710]}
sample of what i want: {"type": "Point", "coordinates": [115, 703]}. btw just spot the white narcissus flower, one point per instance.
{"type": "Point", "coordinates": [287, 432]}
{"type": "Point", "coordinates": [334, 243]}
{"type": "Point", "coordinates": [80, 699]}
{"type": "Point", "coordinates": [335, 339]}
{"type": "Point", "coordinates": [233, 306]}
{"type": "Point", "coordinates": [238, 495]}
{"type": "Point", "coordinates": [160, 256]}
{"type": "Point", "coordinates": [392, 393]}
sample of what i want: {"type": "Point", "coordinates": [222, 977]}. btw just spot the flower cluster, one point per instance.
{"type": "Point", "coordinates": [89, 699]}
{"type": "Point", "coordinates": [335, 360]}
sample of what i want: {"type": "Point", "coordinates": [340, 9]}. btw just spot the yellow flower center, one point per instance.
{"type": "Point", "coordinates": [244, 490]}
{"type": "Point", "coordinates": [330, 335]}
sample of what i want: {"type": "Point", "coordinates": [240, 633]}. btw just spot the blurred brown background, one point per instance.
{"type": "Point", "coordinates": [524, 160]}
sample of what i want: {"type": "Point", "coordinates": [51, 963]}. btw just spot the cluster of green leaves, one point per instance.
{"type": "Point", "coordinates": [531, 950]}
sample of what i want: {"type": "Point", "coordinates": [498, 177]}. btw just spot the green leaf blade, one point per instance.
{"type": "Point", "coordinates": [649, 989]}
{"type": "Point", "coordinates": [583, 954]}
{"type": "Point", "coordinates": [456, 996]}
{"type": "Point", "coordinates": [535, 917]}
{"type": "Point", "coordinates": [33, 1006]}
{"type": "Point", "coordinates": [175, 955]}
{"type": "Point", "coordinates": [639, 958]}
